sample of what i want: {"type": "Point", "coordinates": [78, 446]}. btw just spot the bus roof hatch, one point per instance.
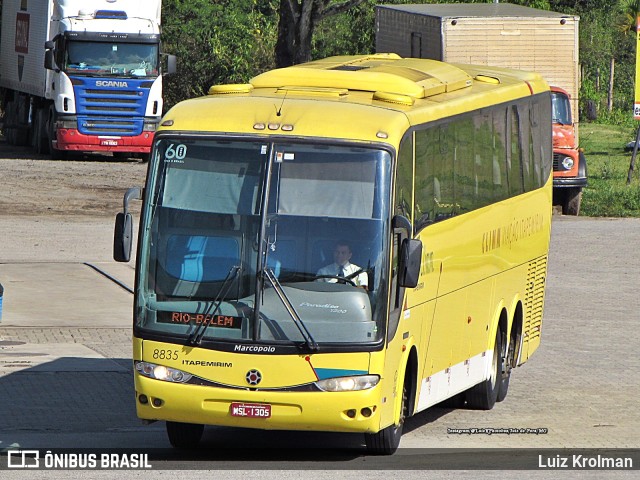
{"type": "Point", "coordinates": [417, 78]}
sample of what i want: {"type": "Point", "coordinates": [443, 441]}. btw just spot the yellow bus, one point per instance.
{"type": "Point", "coordinates": [338, 245]}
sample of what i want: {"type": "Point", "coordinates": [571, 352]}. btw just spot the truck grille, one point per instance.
{"type": "Point", "coordinates": [115, 109]}
{"type": "Point", "coordinates": [556, 161]}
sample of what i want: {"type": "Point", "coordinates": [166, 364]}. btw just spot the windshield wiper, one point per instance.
{"type": "Point", "coordinates": [196, 336]}
{"type": "Point", "coordinates": [277, 287]}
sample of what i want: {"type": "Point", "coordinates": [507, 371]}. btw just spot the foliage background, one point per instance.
{"type": "Point", "coordinates": [229, 41]}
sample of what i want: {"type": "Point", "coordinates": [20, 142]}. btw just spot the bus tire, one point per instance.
{"type": "Point", "coordinates": [484, 395]}
{"type": "Point", "coordinates": [387, 440]}
{"type": "Point", "coordinates": [184, 435]}
{"type": "Point", "coordinates": [503, 388]}
{"type": "Point", "coordinates": [508, 361]}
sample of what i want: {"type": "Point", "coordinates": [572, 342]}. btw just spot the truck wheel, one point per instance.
{"type": "Point", "coordinates": [51, 134]}
{"type": "Point", "coordinates": [184, 435]}
{"type": "Point", "coordinates": [40, 138]}
{"type": "Point", "coordinates": [17, 135]}
{"type": "Point", "coordinates": [571, 201]}
{"type": "Point", "coordinates": [484, 395]}
{"type": "Point", "coordinates": [387, 440]}
{"type": "Point", "coordinates": [10, 119]}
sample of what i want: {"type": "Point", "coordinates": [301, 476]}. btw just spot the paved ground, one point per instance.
{"type": "Point", "coordinates": [65, 369]}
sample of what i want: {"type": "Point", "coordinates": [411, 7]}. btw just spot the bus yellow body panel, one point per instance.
{"type": "Point", "coordinates": [482, 270]}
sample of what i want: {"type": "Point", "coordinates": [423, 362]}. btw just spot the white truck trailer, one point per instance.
{"type": "Point", "coordinates": [82, 75]}
{"type": "Point", "coordinates": [502, 35]}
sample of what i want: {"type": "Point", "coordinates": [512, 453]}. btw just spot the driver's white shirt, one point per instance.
{"type": "Point", "coordinates": [361, 280]}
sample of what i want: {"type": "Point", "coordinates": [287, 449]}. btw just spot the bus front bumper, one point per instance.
{"type": "Point", "coordinates": [357, 411]}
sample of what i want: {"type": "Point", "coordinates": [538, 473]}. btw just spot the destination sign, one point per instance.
{"type": "Point", "coordinates": [186, 318]}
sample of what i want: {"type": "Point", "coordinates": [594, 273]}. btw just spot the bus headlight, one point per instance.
{"type": "Point", "coordinates": [567, 163]}
{"type": "Point", "coordinates": [160, 372]}
{"type": "Point", "coordinates": [348, 384]}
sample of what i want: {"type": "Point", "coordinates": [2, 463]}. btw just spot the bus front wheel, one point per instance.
{"type": "Point", "coordinates": [184, 435]}
{"type": "Point", "coordinates": [387, 440]}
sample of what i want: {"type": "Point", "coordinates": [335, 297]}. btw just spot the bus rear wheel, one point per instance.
{"type": "Point", "coordinates": [484, 395]}
{"type": "Point", "coordinates": [509, 356]}
{"type": "Point", "coordinates": [184, 435]}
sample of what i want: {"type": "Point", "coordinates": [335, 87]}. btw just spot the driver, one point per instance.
{"type": "Point", "coordinates": [341, 267]}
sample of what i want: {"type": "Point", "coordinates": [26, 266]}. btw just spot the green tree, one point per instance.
{"type": "Point", "coordinates": [226, 41]}
{"type": "Point", "coordinates": [630, 11]}
{"type": "Point", "coordinates": [297, 23]}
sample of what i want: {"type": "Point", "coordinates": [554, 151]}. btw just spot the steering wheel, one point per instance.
{"type": "Point", "coordinates": [347, 279]}
{"type": "Point", "coordinates": [344, 280]}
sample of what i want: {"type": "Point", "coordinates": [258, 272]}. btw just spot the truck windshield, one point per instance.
{"type": "Point", "coordinates": [265, 242]}
{"type": "Point", "coordinates": [108, 58]}
{"type": "Point", "coordinates": [561, 108]}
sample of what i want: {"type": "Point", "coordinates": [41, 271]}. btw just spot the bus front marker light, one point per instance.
{"type": "Point", "coordinates": [157, 402]}
{"type": "Point", "coordinates": [366, 412]}
{"type": "Point", "coordinates": [351, 413]}
{"type": "Point", "coordinates": [143, 399]}
{"type": "Point", "coordinates": [567, 163]}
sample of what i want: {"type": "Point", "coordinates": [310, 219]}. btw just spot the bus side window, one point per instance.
{"type": "Point", "coordinates": [404, 179]}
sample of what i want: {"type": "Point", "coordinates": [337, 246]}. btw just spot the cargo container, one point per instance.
{"type": "Point", "coordinates": [502, 35]}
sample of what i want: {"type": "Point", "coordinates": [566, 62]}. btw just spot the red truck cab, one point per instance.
{"type": "Point", "coordinates": [569, 163]}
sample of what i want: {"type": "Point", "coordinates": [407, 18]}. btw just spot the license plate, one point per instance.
{"type": "Point", "coordinates": [250, 410]}
{"type": "Point", "coordinates": [109, 143]}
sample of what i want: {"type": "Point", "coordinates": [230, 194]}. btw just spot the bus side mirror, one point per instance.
{"type": "Point", "coordinates": [123, 237]}
{"type": "Point", "coordinates": [410, 261]}
{"type": "Point", "coordinates": [123, 231]}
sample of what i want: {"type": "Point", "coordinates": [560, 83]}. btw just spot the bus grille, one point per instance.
{"type": "Point", "coordinates": [534, 300]}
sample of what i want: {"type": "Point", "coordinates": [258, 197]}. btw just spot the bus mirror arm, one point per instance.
{"type": "Point", "coordinates": [133, 193]}
{"type": "Point", "coordinates": [410, 260]}
{"type": "Point", "coordinates": [123, 230]}
{"type": "Point", "coordinates": [402, 222]}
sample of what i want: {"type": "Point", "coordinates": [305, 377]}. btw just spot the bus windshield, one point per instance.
{"type": "Point", "coordinates": [266, 242]}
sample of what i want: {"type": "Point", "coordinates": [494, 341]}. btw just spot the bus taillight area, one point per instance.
{"type": "Point", "coordinates": [357, 411]}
